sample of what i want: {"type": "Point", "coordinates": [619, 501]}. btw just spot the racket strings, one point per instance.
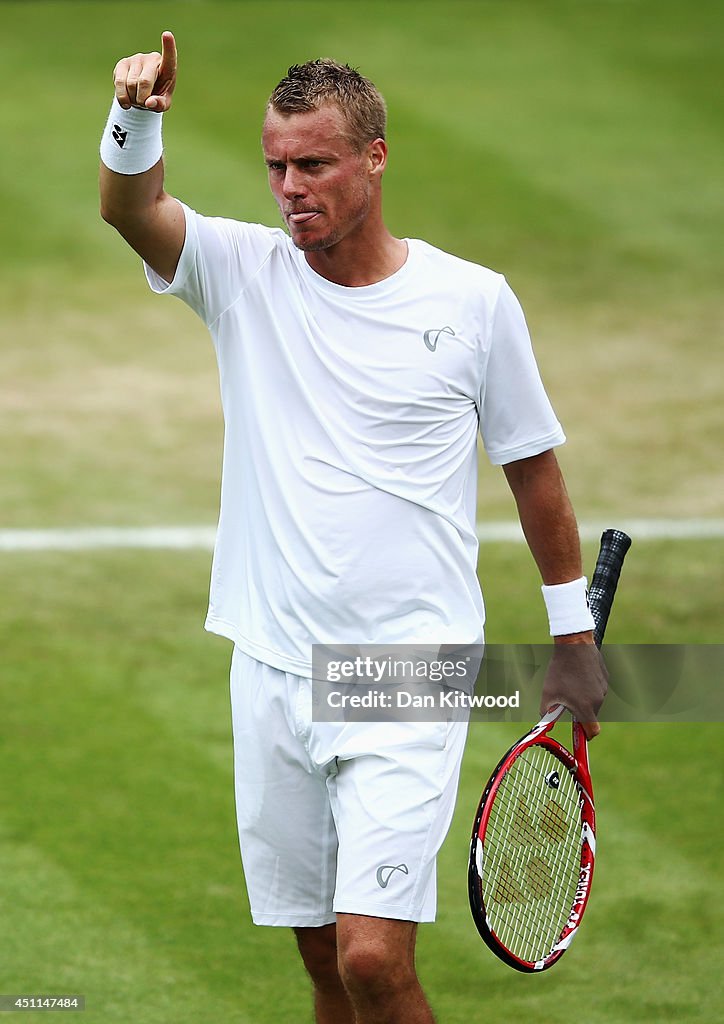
{"type": "Point", "coordinates": [534, 833]}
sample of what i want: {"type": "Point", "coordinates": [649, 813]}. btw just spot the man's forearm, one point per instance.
{"type": "Point", "coordinates": [130, 198]}
{"type": "Point", "coordinates": [546, 516]}
{"type": "Point", "coordinates": [576, 676]}
{"type": "Point", "coordinates": [150, 220]}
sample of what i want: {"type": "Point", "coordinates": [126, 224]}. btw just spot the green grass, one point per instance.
{"type": "Point", "coordinates": [575, 146]}
{"type": "Point", "coordinates": [118, 850]}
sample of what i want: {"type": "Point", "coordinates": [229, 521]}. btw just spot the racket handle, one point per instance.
{"type": "Point", "coordinates": [614, 545]}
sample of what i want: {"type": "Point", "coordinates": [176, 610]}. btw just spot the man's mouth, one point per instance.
{"type": "Point", "coordinates": [302, 217]}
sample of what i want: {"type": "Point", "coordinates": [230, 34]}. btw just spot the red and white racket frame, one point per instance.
{"type": "Point", "coordinates": [577, 764]}
{"type": "Point", "coordinates": [613, 549]}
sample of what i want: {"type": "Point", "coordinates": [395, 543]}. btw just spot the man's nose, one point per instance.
{"type": "Point", "coordinates": [293, 184]}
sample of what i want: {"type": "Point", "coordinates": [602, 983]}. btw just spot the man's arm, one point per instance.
{"type": "Point", "coordinates": [546, 516]}
{"type": "Point", "coordinates": [150, 220]}
{"type": "Point", "coordinates": [577, 678]}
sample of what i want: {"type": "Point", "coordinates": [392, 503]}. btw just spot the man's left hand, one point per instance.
{"type": "Point", "coordinates": [578, 679]}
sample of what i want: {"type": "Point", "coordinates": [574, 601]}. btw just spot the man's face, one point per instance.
{"type": "Point", "coordinates": [322, 184]}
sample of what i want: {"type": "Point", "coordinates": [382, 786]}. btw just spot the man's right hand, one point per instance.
{"type": "Point", "coordinates": [137, 205]}
{"type": "Point", "coordinates": [147, 80]}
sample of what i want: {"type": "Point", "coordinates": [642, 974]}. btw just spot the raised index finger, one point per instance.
{"type": "Point", "coordinates": [169, 57]}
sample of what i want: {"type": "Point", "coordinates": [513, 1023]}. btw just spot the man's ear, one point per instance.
{"type": "Point", "coordinates": [377, 156]}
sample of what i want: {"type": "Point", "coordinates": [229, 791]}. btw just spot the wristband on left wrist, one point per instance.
{"type": "Point", "coordinates": [567, 607]}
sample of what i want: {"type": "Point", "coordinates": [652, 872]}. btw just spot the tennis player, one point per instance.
{"type": "Point", "coordinates": [357, 369]}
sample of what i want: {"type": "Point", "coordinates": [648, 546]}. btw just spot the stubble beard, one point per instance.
{"type": "Point", "coordinates": [356, 217]}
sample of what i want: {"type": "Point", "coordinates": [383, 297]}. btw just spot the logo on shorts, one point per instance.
{"type": "Point", "coordinates": [119, 135]}
{"type": "Point", "coordinates": [432, 337]}
{"type": "Point", "coordinates": [386, 871]}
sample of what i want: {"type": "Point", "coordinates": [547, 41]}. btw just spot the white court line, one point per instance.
{"type": "Point", "coordinates": [93, 538]}
{"type": "Point", "coordinates": [186, 538]}
{"type": "Point", "coordinates": [637, 529]}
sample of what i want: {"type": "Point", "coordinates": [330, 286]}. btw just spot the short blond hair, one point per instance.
{"type": "Point", "coordinates": [309, 86]}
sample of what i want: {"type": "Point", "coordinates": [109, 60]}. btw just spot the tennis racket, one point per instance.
{"type": "Point", "coordinates": [534, 838]}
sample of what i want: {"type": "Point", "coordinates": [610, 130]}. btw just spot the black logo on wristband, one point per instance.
{"type": "Point", "coordinates": [119, 135]}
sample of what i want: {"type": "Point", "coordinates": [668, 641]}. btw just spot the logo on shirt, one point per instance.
{"type": "Point", "coordinates": [432, 337]}
{"type": "Point", "coordinates": [386, 871]}
{"type": "Point", "coordinates": [119, 135]}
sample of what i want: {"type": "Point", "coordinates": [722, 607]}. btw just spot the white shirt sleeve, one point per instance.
{"type": "Point", "coordinates": [218, 259]}
{"type": "Point", "coordinates": [516, 417]}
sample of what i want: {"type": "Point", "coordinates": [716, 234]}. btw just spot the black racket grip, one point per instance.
{"type": "Point", "coordinates": [614, 545]}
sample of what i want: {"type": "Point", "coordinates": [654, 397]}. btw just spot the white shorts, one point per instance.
{"type": "Point", "coordinates": [336, 818]}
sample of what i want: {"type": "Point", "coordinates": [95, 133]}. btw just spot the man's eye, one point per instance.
{"type": "Point", "coordinates": [273, 166]}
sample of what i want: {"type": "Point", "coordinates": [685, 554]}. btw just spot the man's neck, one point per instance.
{"type": "Point", "coordinates": [355, 264]}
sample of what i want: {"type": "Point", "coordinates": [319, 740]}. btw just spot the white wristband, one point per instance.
{"type": "Point", "coordinates": [567, 606]}
{"type": "Point", "coordinates": [131, 142]}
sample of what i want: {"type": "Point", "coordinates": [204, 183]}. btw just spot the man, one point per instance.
{"type": "Point", "coordinates": [356, 369]}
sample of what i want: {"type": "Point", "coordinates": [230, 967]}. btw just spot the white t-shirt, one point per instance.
{"type": "Point", "coordinates": [349, 481]}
